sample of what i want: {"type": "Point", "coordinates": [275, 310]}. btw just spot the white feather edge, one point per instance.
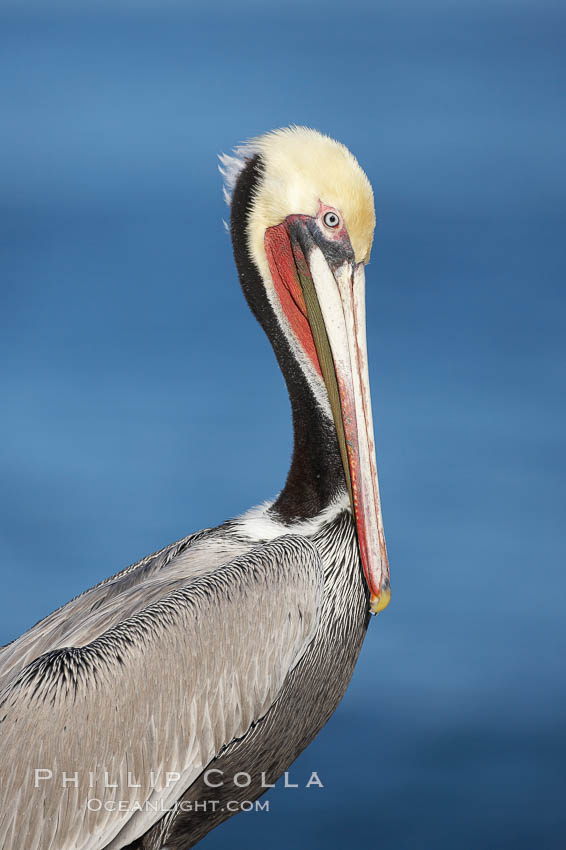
{"type": "Point", "coordinates": [231, 165]}
{"type": "Point", "coordinates": [259, 524]}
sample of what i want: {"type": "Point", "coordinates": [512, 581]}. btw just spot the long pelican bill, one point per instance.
{"type": "Point", "coordinates": [322, 291]}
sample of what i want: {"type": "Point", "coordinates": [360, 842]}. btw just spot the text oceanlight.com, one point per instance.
{"type": "Point", "coordinates": [96, 805]}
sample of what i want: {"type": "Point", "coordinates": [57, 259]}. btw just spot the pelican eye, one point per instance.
{"type": "Point", "coordinates": [331, 219]}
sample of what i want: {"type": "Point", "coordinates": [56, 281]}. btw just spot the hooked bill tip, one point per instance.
{"type": "Point", "coordinates": [379, 603]}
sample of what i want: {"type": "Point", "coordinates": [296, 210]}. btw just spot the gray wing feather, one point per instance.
{"type": "Point", "coordinates": [161, 691]}
{"type": "Point", "coordinates": [96, 610]}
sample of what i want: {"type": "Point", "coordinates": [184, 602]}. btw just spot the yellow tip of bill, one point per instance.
{"type": "Point", "coordinates": [379, 603]}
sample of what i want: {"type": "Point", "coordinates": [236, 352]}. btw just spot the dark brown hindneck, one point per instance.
{"type": "Point", "coordinates": [316, 474]}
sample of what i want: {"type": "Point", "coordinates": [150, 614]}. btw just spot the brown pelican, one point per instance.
{"type": "Point", "coordinates": [227, 651]}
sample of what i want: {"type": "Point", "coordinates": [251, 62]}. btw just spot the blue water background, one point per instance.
{"type": "Point", "coordinates": [140, 401]}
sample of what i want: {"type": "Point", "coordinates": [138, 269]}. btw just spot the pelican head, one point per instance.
{"type": "Point", "coordinates": [309, 226]}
